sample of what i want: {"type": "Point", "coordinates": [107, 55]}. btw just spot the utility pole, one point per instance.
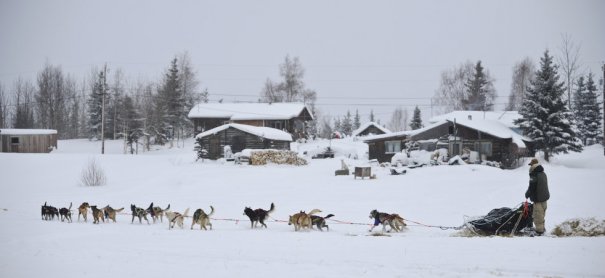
{"type": "Point", "coordinates": [103, 109]}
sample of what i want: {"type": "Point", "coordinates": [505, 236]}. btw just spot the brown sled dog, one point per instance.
{"type": "Point", "coordinates": [110, 213]}
{"type": "Point", "coordinates": [157, 212]}
{"type": "Point", "coordinates": [258, 215]}
{"type": "Point", "coordinates": [200, 217]}
{"type": "Point", "coordinates": [302, 220]}
{"type": "Point", "coordinates": [83, 210]}
{"type": "Point", "coordinates": [97, 214]}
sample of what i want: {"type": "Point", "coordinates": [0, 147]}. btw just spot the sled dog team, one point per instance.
{"type": "Point", "coordinates": [301, 220]}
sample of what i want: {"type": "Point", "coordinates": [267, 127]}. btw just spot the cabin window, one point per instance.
{"type": "Point", "coordinates": [277, 125]}
{"type": "Point", "coordinates": [485, 148]}
{"type": "Point", "coordinates": [392, 146]}
{"type": "Point", "coordinates": [14, 140]}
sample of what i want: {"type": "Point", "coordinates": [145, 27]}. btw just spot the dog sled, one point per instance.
{"type": "Point", "coordinates": [504, 221]}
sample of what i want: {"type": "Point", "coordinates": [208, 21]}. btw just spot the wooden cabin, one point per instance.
{"type": "Point", "coordinates": [28, 140]}
{"type": "Point", "coordinates": [240, 137]}
{"type": "Point", "coordinates": [491, 139]}
{"type": "Point", "coordinates": [288, 117]}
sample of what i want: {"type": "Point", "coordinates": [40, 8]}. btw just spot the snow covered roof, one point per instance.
{"type": "Point", "coordinates": [265, 132]}
{"type": "Point", "coordinates": [404, 133]}
{"type": "Point", "coordinates": [19, 131]}
{"type": "Point", "coordinates": [505, 117]}
{"type": "Point", "coordinates": [368, 124]}
{"type": "Point", "coordinates": [491, 127]}
{"type": "Point", "coordinates": [494, 128]}
{"type": "Point", "coordinates": [248, 111]}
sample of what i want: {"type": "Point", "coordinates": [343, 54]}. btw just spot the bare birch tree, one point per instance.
{"type": "Point", "coordinates": [3, 108]}
{"type": "Point", "coordinates": [23, 113]}
{"type": "Point", "coordinates": [569, 62]}
{"type": "Point", "coordinates": [523, 73]}
{"type": "Point", "coordinates": [452, 88]}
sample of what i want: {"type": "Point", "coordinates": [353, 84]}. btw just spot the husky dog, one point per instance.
{"type": "Point", "coordinates": [83, 210]}
{"type": "Point", "coordinates": [49, 212]}
{"type": "Point", "coordinates": [320, 222]}
{"type": "Point", "coordinates": [157, 212]}
{"type": "Point", "coordinates": [110, 213]}
{"type": "Point", "coordinates": [302, 220]}
{"type": "Point", "coordinates": [138, 212]}
{"type": "Point", "coordinates": [394, 221]}
{"type": "Point", "coordinates": [258, 215]}
{"type": "Point", "coordinates": [200, 217]}
{"type": "Point", "coordinates": [46, 212]}
{"type": "Point", "coordinates": [176, 218]}
{"type": "Point", "coordinates": [65, 213]}
{"type": "Point", "coordinates": [43, 211]}
{"type": "Point", "coordinates": [97, 214]}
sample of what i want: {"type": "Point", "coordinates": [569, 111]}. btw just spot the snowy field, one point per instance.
{"type": "Point", "coordinates": [441, 195]}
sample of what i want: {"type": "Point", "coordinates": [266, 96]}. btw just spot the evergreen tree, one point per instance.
{"type": "Point", "coordinates": [95, 101]}
{"type": "Point", "coordinates": [587, 111]}
{"type": "Point", "coordinates": [478, 91]}
{"type": "Point", "coordinates": [130, 120]}
{"type": "Point", "coordinates": [170, 106]}
{"type": "Point", "coordinates": [357, 121]}
{"type": "Point", "coordinates": [347, 125]}
{"type": "Point", "coordinates": [545, 117]}
{"type": "Point", "coordinates": [372, 115]}
{"type": "Point", "coordinates": [416, 120]}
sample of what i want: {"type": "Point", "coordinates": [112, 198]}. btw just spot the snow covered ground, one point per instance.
{"type": "Point", "coordinates": [441, 195]}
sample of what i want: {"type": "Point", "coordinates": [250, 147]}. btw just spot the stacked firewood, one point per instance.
{"type": "Point", "coordinates": [262, 157]}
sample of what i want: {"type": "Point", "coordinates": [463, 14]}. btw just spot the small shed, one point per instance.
{"type": "Point", "coordinates": [240, 137]}
{"type": "Point", "coordinates": [383, 147]}
{"type": "Point", "coordinates": [27, 140]}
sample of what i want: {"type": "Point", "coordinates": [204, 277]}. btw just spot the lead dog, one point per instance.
{"type": "Point", "coordinates": [65, 213]}
{"type": "Point", "coordinates": [83, 210]}
{"type": "Point", "coordinates": [176, 218]}
{"type": "Point", "coordinates": [138, 212]}
{"type": "Point", "coordinates": [200, 217]}
{"type": "Point", "coordinates": [394, 221]}
{"type": "Point", "coordinates": [302, 220]}
{"type": "Point", "coordinates": [157, 212]}
{"type": "Point", "coordinates": [49, 212]}
{"type": "Point", "coordinates": [258, 215]}
{"type": "Point", "coordinates": [110, 213]}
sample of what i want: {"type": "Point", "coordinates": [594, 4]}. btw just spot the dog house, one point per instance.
{"type": "Point", "coordinates": [28, 140]}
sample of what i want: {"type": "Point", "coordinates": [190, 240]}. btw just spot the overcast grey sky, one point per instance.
{"type": "Point", "coordinates": [380, 53]}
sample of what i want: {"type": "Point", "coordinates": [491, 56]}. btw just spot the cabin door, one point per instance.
{"type": "Point", "coordinates": [214, 147]}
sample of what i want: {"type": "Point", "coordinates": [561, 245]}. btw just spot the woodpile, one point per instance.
{"type": "Point", "coordinates": [262, 157]}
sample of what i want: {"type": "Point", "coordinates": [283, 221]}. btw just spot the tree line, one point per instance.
{"type": "Point", "coordinates": [156, 111]}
